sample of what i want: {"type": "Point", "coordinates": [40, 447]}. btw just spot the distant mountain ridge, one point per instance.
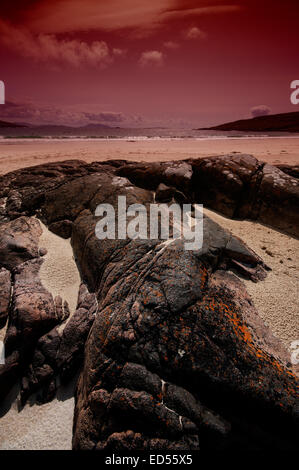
{"type": "Point", "coordinates": [53, 126]}
{"type": "Point", "coordinates": [13, 129]}
{"type": "Point", "coordinates": [285, 122]}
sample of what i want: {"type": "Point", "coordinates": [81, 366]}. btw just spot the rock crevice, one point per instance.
{"type": "Point", "coordinates": [171, 352]}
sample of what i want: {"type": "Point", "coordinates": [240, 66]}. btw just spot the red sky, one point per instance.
{"type": "Point", "coordinates": [180, 63]}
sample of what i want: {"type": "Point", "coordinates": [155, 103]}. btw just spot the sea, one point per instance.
{"type": "Point", "coordinates": [128, 134]}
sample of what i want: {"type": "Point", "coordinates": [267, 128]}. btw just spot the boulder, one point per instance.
{"type": "Point", "coordinates": [173, 355]}
{"type": "Point", "coordinates": [33, 313]}
{"type": "Point", "coordinates": [165, 323]}
{"type": "Point", "coordinates": [291, 170]}
{"type": "Point", "coordinates": [19, 241]}
{"type": "Point", "coordinates": [241, 187]}
{"type": "Point", "coordinates": [59, 353]}
{"type": "Point", "coordinates": [150, 175]}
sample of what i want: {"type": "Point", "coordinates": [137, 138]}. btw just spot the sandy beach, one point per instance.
{"type": "Point", "coordinates": [114, 335]}
{"type": "Point", "coordinates": [59, 273]}
{"type": "Point", "coordinates": [38, 427]}
{"type": "Point", "coordinates": [23, 153]}
{"type": "Point", "coordinates": [276, 298]}
{"type": "Point", "coordinates": [279, 251]}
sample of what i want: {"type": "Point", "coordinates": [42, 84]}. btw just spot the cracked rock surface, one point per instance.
{"type": "Point", "coordinates": [172, 353]}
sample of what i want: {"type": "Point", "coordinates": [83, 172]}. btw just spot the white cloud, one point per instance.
{"type": "Point", "coordinates": [261, 110]}
{"type": "Point", "coordinates": [194, 33]}
{"type": "Point", "coordinates": [171, 45]}
{"type": "Point", "coordinates": [151, 59]}
{"type": "Point", "coordinates": [48, 48]}
{"type": "Point", "coordinates": [119, 52]}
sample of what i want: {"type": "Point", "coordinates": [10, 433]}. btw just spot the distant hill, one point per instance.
{"type": "Point", "coordinates": [54, 127]}
{"type": "Point", "coordinates": [63, 127]}
{"type": "Point", "coordinates": [97, 126]}
{"type": "Point", "coordinates": [11, 124]}
{"type": "Point", "coordinates": [9, 129]}
{"type": "Point", "coordinates": [286, 122]}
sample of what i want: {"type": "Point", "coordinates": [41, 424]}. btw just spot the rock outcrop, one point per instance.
{"type": "Point", "coordinates": [31, 308]}
{"type": "Point", "coordinates": [59, 353]}
{"type": "Point", "coordinates": [238, 186]}
{"type": "Point", "coordinates": [172, 353]}
{"type": "Point", "coordinates": [291, 170]}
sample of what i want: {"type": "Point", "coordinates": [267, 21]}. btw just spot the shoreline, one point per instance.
{"type": "Point", "coordinates": [26, 153]}
{"type": "Point", "coordinates": [49, 138]}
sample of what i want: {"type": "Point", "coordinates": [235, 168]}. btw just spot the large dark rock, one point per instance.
{"type": "Point", "coordinates": [278, 200]}
{"type": "Point", "coordinates": [23, 191]}
{"type": "Point", "coordinates": [150, 175]}
{"type": "Point", "coordinates": [59, 353]}
{"type": "Point", "coordinates": [223, 183]}
{"type": "Point", "coordinates": [239, 186]}
{"type": "Point", "coordinates": [291, 170]}
{"type": "Point", "coordinates": [166, 323]}
{"type": "Point", "coordinates": [71, 349]}
{"type": "Point", "coordinates": [33, 313]}
{"type": "Point", "coordinates": [19, 241]}
{"type": "Point", "coordinates": [62, 228]}
{"type": "Point", "coordinates": [30, 308]}
{"type": "Point", "coordinates": [236, 185]}
{"type": "Point", "coordinates": [174, 354]}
